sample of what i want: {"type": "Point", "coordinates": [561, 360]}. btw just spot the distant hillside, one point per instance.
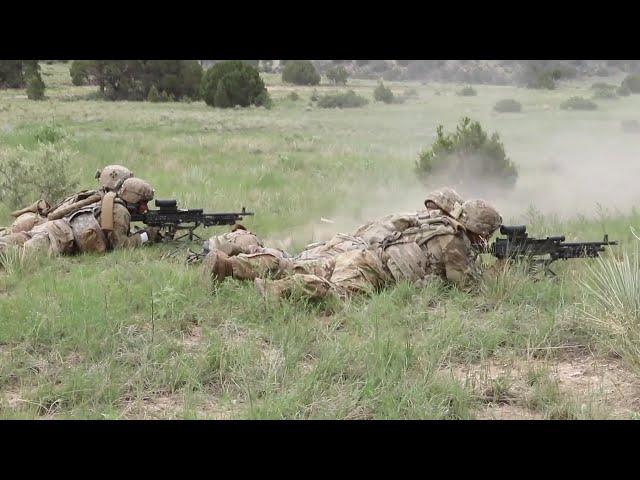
{"type": "Point", "coordinates": [499, 72]}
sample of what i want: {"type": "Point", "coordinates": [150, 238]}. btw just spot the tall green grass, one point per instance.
{"type": "Point", "coordinates": [612, 302]}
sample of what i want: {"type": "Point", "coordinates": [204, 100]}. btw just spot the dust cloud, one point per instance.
{"type": "Point", "coordinates": [567, 174]}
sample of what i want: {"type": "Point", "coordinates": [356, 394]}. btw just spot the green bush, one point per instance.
{"type": "Point", "coordinates": [132, 79]}
{"type": "Point", "coordinates": [293, 96]}
{"type": "Point", "coordinates": [578, 103]}
{"type": "Point", "coordinates": [632, 82]}
{"type": "Point", "coordinates": [383, 94]}
{"type": "Point", "coordinates": [467, 91]}
{"type": "Point", "coordinates": [544, 80]}
{"type": "Point", "coordinates": [338, 75]}
{"type": "Point", "coordinates": [623, 90]}
{"type": "Point", "coordinates": [605, 93]}
{"type": "Point", "coordinates": [508, 105]}
{"type": "Point", "coordinates": [11, 75]}
{"type": "Point", "coordinates": [49, 134]}
{"type": "Point", "coordinates": [35, 87]}
{"type": "Point", "coordinates": [342, 100]}
{"type": "Point", "coordinates": [28, 175]}
{"type": "Point", "coordinates": [80, 72]}
{"type": "Point", "coordinates": [300, 72]}
{"type": "Point", "coordinates": [469, 156]}
{"type": "Point", "coordinates": [232, 83]}
{"type": "Point", "coordinates": [153, 95]}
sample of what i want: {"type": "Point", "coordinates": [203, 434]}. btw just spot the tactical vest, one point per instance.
{"type": "Point", "coordinates": [91, 236]}
{"type": "Point", "coordinates": [405, 254]}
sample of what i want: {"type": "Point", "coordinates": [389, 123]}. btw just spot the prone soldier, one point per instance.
{"type": "Point", "coordinates": [89, 221]}
{"type": "Point", "coordinates": [438, 241]}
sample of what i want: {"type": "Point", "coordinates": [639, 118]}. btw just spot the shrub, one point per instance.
{"type": "Point", "coordinates": [467, 91]}
{"type": "Point", "coordinates": [153, 95]}
{"type": "Point", "coordinates": [35, 87]}
{"type": "Point", "coordinates": [545, 80]}
{"type": "Point", "coordinates": [49, 134]}
{"type": "Point", "coordinates": [28, 175]}
{"type": "Point", "coordinates": [300, 72]}
{"type": "Point", "coordinates": [342, 100]}
{"type": "Point", "coordinates": [469, 156]}
{"type": "Point", "coordinates": [605, 93]}
{"type": "Point", "coordinates": [80, 72]}
{"type": "Point", "coordinates": [508, 105]}
{"type": "Point", "coordinates": [383, 94]}
{"type": "Point", "coordinates": [623, 90]}
{"type": "Point", "coordinates": [132, 79]}
{"type": "Point", "coordinates": [17, 73]}
{"type": "Point", "coordinates": [338, 75]}
{"type": "Point", "coordinates": [632, 82]}
{"type": "Point", "coordinates": [232, 83]}
{"type": "Point", "coordinates": [178, 78]}
{"type": "Point", "coordinates": [11, 75]}
{"type": "Point", "coordinates": [578, 103]}
{"type": "Point", "coordinates": [293, 96]}
{"type": "Point", "coordinates": [314, 95]}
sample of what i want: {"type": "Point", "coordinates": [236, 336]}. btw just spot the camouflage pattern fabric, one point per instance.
{"type": "Point", "coordinates": [234, 243]}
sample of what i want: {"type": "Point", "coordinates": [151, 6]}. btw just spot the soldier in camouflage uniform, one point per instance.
{"type": "Point", "coordinates": [89, 221]}
{"type": "Point", "coordinates": [110, 178]}
{"type": "Point", "coordinates": [437, 241]}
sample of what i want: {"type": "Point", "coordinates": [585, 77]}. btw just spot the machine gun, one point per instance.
{"type": "Point", "coordinates": [172, 219]}
{"type": "Point", "coordinates": [518, 245]}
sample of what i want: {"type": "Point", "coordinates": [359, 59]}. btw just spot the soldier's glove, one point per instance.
{"type": "Point", "coordinates": [154, 234]}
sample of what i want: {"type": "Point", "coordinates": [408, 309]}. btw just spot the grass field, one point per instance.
{"type": "Point", "coordinates": [139, 334]}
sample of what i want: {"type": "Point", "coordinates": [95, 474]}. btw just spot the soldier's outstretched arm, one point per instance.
{"type": "Point", "coordinates": [119, 237]}
{"type": "Point", "coordinates": [459, 261]}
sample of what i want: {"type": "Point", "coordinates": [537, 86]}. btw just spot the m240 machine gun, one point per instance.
{"type": "Point", "coordinates": [518, 245]}
{"type": "Point", "coordinates": [173, 219]}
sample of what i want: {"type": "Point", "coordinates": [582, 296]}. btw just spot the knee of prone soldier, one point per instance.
{"type": "Point", "coordinates": [216, 265]}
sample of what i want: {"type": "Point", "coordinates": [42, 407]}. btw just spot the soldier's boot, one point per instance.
{"type": "Point", "coordinates": [217, 265]}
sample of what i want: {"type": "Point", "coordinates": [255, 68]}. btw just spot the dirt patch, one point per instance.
{"type": "Point", "coordinates": [172, 406]}
{"type": "Point", "coordinates": [193, 338]}
{"type": "Point", "coordinates": [608, 378]}
{"type": "Point", "coordinates": [12, 399]}
{"type": "Point", "coordinates": [505, 386]}
{"type": "Point", "coordinates": [507, 412]}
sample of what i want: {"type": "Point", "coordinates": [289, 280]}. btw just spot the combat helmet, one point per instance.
{"type": "Point", "coordinates": [135, 190]}
{"type": "Point", "coordinates": [480, 218]}
{"type": "Point", "coordinates": [446, 199]}
{"type": "Point", "coordinates": [111, 177]}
